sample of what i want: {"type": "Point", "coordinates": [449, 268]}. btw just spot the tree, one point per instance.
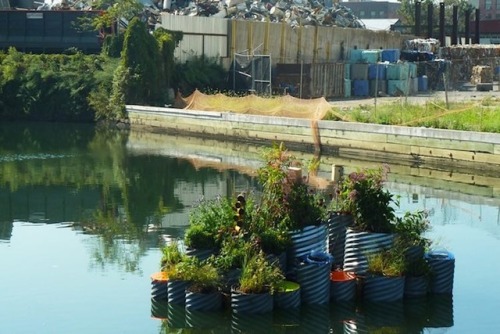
{"type": "Point", "coordinates": [114, 10]}
{"type": "Point", "coordinates": [167, 42]}
{"type": "Point", "coordinates": [138, 69]}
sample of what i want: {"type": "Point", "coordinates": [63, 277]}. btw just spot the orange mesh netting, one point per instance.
{"type": "Point", "coordinates": [283, 106]}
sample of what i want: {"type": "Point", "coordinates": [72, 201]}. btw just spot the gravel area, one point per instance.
{"type": "Point", "coordinates": [453, 96]}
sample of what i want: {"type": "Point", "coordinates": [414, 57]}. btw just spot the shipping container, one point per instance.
{"type": "Point", "coordinates": [50, 31]}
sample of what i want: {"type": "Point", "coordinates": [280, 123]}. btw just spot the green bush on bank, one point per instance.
{"type": "Point", "coordinates": [88, 88]}
{"type": "Point", "coordinates": [49, 87]}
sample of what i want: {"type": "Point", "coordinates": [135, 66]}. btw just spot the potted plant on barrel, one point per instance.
{"type": "Point", "coordinates": [363, 195]}
{"type": "Point", "coordinates": [385, 279]}
{"type": "Point", "coordinates": [173, 264]}
{"type": "Point", "coordinates": [257, 284]}
{"type": "Point", "coordinates": [410, 229]}
{"type": "Point", "coordinates": [203, 292]}
{"type": "Point", "coordinates": [209, 222]}
{"type": "Point", "coordinates": [290, 204]}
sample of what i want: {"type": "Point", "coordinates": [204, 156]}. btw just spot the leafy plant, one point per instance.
{"type": "Point", "coordinates": [362, 194]}
{"type": "Point", "coordinates": [305, 206]}
{"type": "Point", "coordinates": [199, 237]}
{"type": "Point", "coordinates": [411, 227]}
{"type": "Point", "coordinates": [232, 254]}
{"type": "Point", "coordinates": [203, 276]}
{"type": "Point", "coordinates": [206, 279]}
{"type": "Point", "coordinates": [285, 200]}
{"type": "Point", "coordinates": [270, 240]}
{"type": "Point", "coordinates": [259, 276]}
{"type": "Point", "coordinates": [200, 72]}
{"type": "Point", "coordinates": [418, 267]}
{"type": "Point", "coordinates": [210, 223]}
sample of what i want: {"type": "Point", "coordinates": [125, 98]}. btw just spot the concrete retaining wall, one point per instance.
{"type": "Point", "coordinates": [418, 146]}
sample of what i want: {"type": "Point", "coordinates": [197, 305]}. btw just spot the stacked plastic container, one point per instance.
{"type": "Point", "coordinates": [380, 72]}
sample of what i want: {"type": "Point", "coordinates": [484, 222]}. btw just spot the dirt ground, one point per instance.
{"type": "Point", "coordinates": [453, 96]}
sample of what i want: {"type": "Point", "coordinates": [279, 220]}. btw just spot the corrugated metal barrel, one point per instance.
{"type": "Point", "coordinates": [177, 292]}
{"type": "Point", "coordinates": [315, 318]}
{"type": "Point", "coordinates": [305, 240]}
{"type": "Point", "coordinates": [176, 317]}
{"type": "Point", "coordinates": [415, 253]}
{"type": "Point", "coordinates": [288, 296]}
{"type": "Point", "coordinates": [287, 318]}
{"type": "Point", "coordinates": [203, 301]}
{"type": "Point", "coordinates": [280, 260]}
{"type": "Point", "coordinates": [342, 286]}
{"type": "Point", "coordinates": [416, 312]}
{"type": "Point", "coordinates": [383, 289]}
{"type": "Point", "coordinates": [416, 286]}
{"type": "Point", "coordinates": [251, 303]}
{"type": "Point", "coordinates": [251, 323]}
{"type": "Point", "coordinates": [159, 290]}
{"type": "Point", "coordinates": [337, 227]}
{"type": "Point", "coordinates": [200, 319]}
{"type": "Point", "coordinates": [314, 280]}
{"type": "Point", "coordinates": [200, 254]}
{"type": "Point", "coordinates": [387, 314]}
{"type": "Point", "coordinates": [443, 270]}
{"type": "Point", "coordinates": [359, 245]}
{"type": "Point", "coordinates": [355, 327]}
{"type": "Point", "coordinates": [159, 309]}
{"type": "Point", "coordinates": [440, 311]}
{"type": "Point", "coordinates": [342, 311]}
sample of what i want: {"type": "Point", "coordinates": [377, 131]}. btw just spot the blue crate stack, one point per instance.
{"type": "Point", "coordinates": [381, 72]}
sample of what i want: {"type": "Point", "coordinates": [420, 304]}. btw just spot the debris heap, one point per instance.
{"type": "Point", "coordinates": [293, 12]}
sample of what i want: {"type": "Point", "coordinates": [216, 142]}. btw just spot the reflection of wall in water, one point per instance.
{"type": "Point", "coordinates": [190, 193]}
{"type": "Point", "coordinates": [446, 207]}
{"type": "Point", "coordinates": [44, 205]}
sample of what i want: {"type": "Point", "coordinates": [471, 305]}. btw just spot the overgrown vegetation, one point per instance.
{"type": "Point", "coordinates": [200, 73]}
{"type": "Point", "coordinates": [50, 87]}
{"type": "Point", "coordinates": [134, 68]}
{"type": "Point", "coordinates": [479, 116]}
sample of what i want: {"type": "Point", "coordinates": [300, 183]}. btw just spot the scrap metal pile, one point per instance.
{"type": "Point", "coordinates": [293, 12]}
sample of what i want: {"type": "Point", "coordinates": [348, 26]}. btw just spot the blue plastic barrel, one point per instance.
{"type": "Point", "coordinates": [423, 83]}
{"type": "Point", "coordinates": [360, 87]}
{"type": "Point", "coordinates": [377, 71]}
{"type": "Point", "coordinates": [390, 55]}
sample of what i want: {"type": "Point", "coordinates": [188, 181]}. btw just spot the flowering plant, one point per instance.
{"type": "Point", "coordinates": [286, 201]}
{"type": "Point", "coordinates": [362, 194]}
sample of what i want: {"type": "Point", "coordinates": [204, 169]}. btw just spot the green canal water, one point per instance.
{"type": "Point", "coordinates": [83, 215]}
